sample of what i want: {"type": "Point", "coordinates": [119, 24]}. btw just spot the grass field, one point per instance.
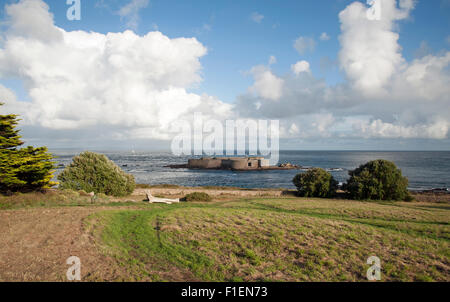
{"type": "Point", "coordinates": [261, 239]}
{"type": "Point", "coordinates": [286, 239]}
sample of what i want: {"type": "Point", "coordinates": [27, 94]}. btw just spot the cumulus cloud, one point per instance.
{"type": "Point", "coordinates": [304, 44]}
{"type": "Point", "coordinates": [300, 66]}
{"type": "Point", "coordinates": [256, 17]}
{"type": "Point", "coordinates": [425, 79]}
{"type": "Point", "coordinates": [32, 20]}
{"type": "Point", "coordinates": [370, 53]}
{"type": "Point", "coordinates": [385, 96]}
{"type": "Point", "coordinates": [123, 85]}
{"type": "Point", "coordinates": [7, 95]}
{"type": "Point", "coordinates": [308, 126]}
{"type": "Point", "coordinates": [81, 80]}
{"type": "Point", "coordinates": [281, 97]}
{"type": "Point", "coordinates": [267, 85]}
{"type": "Point", "coordinates": [378, 128]}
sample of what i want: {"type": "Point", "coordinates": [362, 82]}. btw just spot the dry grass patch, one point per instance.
{"type": "Point", "coordinates": [35, 244]}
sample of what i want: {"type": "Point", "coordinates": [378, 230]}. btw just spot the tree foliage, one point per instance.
{"type": "Point", "coordinates": [93, 172]}
{"type": "Point", "coordinates": [315, 182]}
{"type": "Point", "coordinates": [23, 169]}
{"type": "Point", "coordinates": [377, 180]}
{"type": "Point", "coordinates": [9, 135]}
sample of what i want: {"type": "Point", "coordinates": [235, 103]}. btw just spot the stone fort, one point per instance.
{"type": "Point", "coordinates": [233, 163]}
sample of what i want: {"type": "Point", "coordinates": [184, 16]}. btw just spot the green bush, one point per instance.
{"type": "Point", "coordinates": [315, 182]}
{"type": "Point", "coordinates": [377, 180]}
{"type": "Point", "coordinates": [197, 196]}
{"type": "Point", "coordinates": [94, 172]}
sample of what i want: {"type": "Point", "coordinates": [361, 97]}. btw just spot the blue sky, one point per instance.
{"type": "Point", "coordinates": [236, 43]}
{"type": "Point", "coordinates": [240, 37]}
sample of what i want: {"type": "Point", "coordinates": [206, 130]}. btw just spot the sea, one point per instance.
{"type": "Point", "coordinates": [424, 169]}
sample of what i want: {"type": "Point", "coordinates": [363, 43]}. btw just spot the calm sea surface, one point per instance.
{"type": "Point", "coordinates": [424, 170]}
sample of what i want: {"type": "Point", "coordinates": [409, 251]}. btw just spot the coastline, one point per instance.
{"type": "Point", "coordinates": [170, 190]}
{"type": "Point", "coordinates": [425, 170]}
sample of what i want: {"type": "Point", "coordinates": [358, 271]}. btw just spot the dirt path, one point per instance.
{"type": "Point", "coordinates": [35, 244]}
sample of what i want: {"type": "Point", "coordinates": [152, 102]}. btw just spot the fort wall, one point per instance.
{"type": "Point", "coordinates": [204, 163]}
{"type": "Point", "coordinates": [244, 164]}
{"type": "Point", "coordinates": [234, 163]}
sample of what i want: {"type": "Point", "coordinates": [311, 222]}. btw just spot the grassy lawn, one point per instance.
{"type": "Point", "coordinates": [277, 239]}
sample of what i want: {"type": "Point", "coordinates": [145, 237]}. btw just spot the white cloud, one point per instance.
{"type": "Point", "coordinates": [377, 128]}
{"type": "Point", "coordinates": [300, 66]}
{"type": "Point", "coordinates": [304, 44]}
{"type": "Point", "coordinates": [324, 37]}
{"type": "Point", "coordinates": [32, 20]}
{"type": "Point", "coordinates": [370, 52]}
{"type": "Point", "coordinates": [10, 103]}
{"type": "Point", "coordinates": [426, 79]}
{"type": "Point", "coordinates": [123, 85]}
{"type": "Point", "coordinates": [318, 125]}
{"type": "Point", "coordinates": [398, 99]}
{"type": "Point", "coordinates": [256, 17]}
{"type": "Point", "coordinates": [117, 80]}
{"type": "Point", "coordinates": [131, 10]}
{"type": "Point", "coordinates": [7, 95]}
{"type": "Point", "coordinates": [295, 95]}
{"type": "Point", "coordinates": [266, 85]}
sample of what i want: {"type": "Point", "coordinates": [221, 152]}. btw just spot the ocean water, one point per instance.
{"type": "Point", "coordinates": [425, 170]}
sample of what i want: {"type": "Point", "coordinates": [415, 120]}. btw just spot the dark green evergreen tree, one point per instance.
{"type": "Point", "coordinates": [23, 169]}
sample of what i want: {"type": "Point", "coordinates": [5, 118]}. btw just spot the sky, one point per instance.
{"type": "Point", "coordinates": [335, 77]}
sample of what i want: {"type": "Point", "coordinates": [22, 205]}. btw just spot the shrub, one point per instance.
{"type": "Point", "coordinates": [377, 180]}
{"type": "Point", "coordinates": [197, 196]}
{"type": "Point", "coordinates": [315, 182]}
{"type": "Point", "coordinates": [94, 172]}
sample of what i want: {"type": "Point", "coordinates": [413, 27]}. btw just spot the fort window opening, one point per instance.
{"type": "Point", "coordinates": [249, 164]}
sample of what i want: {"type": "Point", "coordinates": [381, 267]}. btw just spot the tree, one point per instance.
{"type": "Point", "coordinates": [315, 182]}
{"type": "Point", "coordinates": [93, 172]}
{"type": "Point", "coordinates": [9, 136]}
{"type": "Point", "coordinates": [377, 180]}
{"type": "Point", "coordinates": [22, 169]}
